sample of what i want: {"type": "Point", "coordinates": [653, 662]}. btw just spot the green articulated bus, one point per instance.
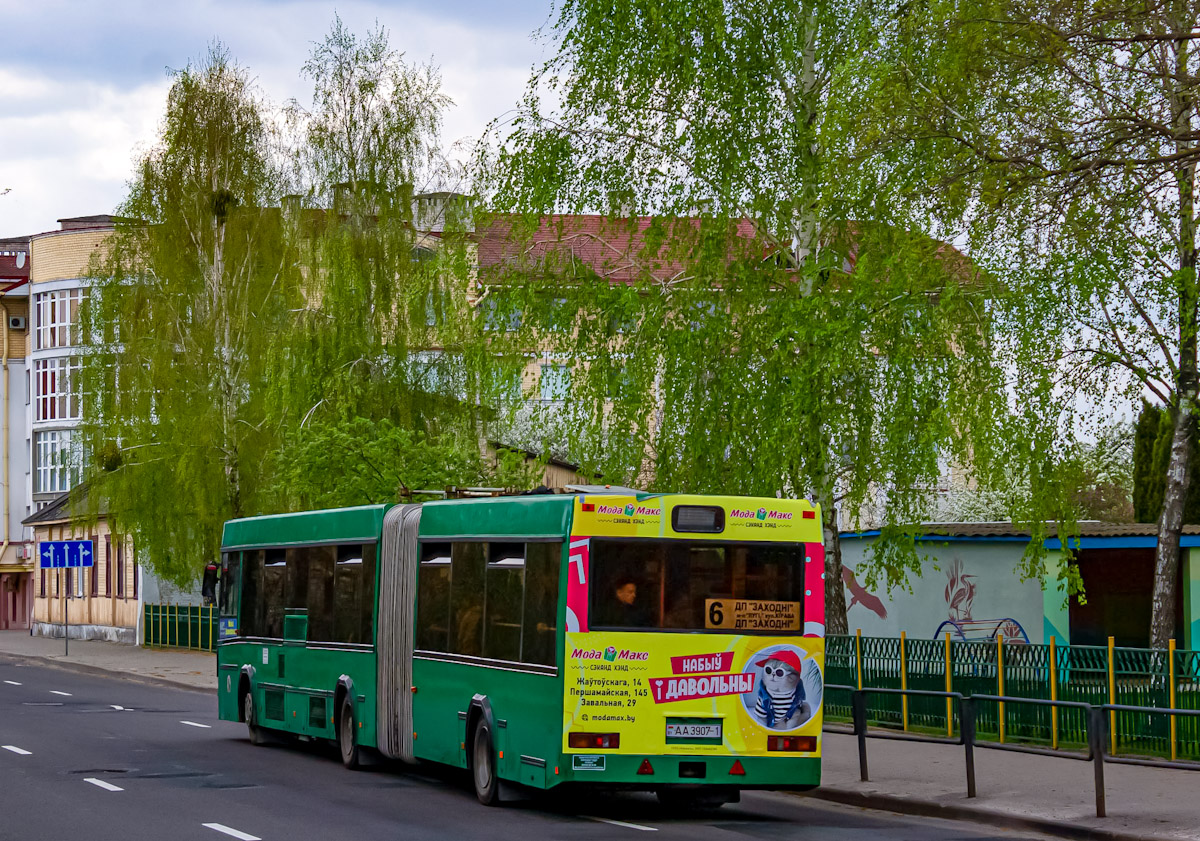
{"type": "Point", "coordinates": [672, 643]}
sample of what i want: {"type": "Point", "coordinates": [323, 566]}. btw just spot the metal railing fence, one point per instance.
{"type": "Point", "coordinates": [1098, 676]}
{"type": "Point", "coordinates": [180, 626]}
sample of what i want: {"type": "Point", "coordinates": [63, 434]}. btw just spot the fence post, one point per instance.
{"type": "Point", "coordinates": [1054, 692]}
{"type": "Point", "coordinates": [1000, 683]}
{"type": "Point", "coordinates": [1096, 743]}
{"type": "Point", "coordinates": [189, 621]}
{"type": "Point", "coordinates": [158, 638]}
{"type": "Point", "coordinates": [858, 656]}
{"type": "Point", "coordinates": [949, 702]}
{"type": "Point", "coordinates": [904, 678]}
{"type": "Point", "coordinates": [967, 724]}
{"type": "Point", "coordinates": [858, 706]}
{"type": "Point", "coordinates": [1171, 690]}
{"type": "Point", "coordinates": [1112, 696]}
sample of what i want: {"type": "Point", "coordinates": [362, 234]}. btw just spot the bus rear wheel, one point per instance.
{"type": "Point", "coordinates": [347, 737]}
{"type": "Point", "coordinates": [257, 737]}
{"type": "Point", "coordinates": [483, 765]}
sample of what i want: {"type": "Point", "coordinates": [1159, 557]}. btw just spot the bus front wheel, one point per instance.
{"type": "Point", "coordinates": [347, 737]}
{"type": "Point", "coordinates": [483, 765]}
{"type": "Point", "coordinates": [257, 737]}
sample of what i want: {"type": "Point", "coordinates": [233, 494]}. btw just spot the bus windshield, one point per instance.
{"type": "Point", "coordinates": [672, 584]}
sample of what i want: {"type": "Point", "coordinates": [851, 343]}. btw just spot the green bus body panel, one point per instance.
{"type": "Point", "coordinates": [537, 515]}
{"type": "Point", "coordinates": [527, 708]}
{"type": "Point", "coordinates": [308, 672]}
{"type": "Point", "coordinates": [344, 525]}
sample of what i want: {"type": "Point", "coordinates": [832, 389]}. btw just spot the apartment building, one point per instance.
{"type": "Point", "coordinates": [16, 563]}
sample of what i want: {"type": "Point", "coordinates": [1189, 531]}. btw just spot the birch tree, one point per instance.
{"type": "Point", "coordinates": [742, 327]}
{"type": "Point", "coordinates": [1061, 138]}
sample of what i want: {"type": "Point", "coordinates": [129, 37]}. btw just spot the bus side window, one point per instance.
{"type": "Point", "coordinates": [274, 592]}
{"type": "Point", "coordinates": [319, 598]}
{"type": "Point", "coordinates": [253, 622]}
{"type": "Point", "coordinates": [366, 622]}
{"type": "Point", "coordinates": [539, 639]}
{"type": "Point", "coordinates": [502, 607]}
{"type": "Point", "coordinates": [297, 576]}
{"type": "Point", "coordinates": [433, 598]}
{"type": "Point", "coordinates": [347, 593]}
{"type": "Point", "coordinates": [466, 599]}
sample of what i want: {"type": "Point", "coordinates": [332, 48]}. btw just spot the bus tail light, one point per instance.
{"type": "Point", "coordinates": [593, 741]}
{"type": "Point", "coordinates": [737, 770]}
{"type": "Point", "coordinates": [809, 515]}
{"type": "Point", "coordinates": [795, 744]}
{"type": "Point", "coordinates": [645, 767]}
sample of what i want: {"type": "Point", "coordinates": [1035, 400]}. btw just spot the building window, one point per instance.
{"type": "Point", "coordinates": [554, 383]}
{"type": "Point", "coordinates": [57, 464]}
{"type": "Point", "coordinates": [94, 572]}
{"type": "Point", "coordinates": [120, 568]}
{"type": "Point", "coordinates": [57, 318]}
{"type": "Point", "coordinates": [55, 398]}
{"type": "Point", "coordinates": [108, 565]}
{"type": "Point", "coordinates": [42, 586]}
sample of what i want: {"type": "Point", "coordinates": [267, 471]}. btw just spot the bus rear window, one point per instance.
{"type": "Point", "coordinates": [669, 585]}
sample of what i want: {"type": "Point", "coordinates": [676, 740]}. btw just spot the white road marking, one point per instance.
{"type": "Point", "coordinates": [102, 784]}
{"type": "Point", "coordinates": [59, 692]}
{"type": "Point", "coordinates": [623, 823]}
{"type": "Point", "coordinates": [17, 750]}
{"type": "Point", "coordinates": [194, 724]}
{"type": "Point", "coordinates": [41, 704]}
{"type": "Point", "coordinates": [117, 707]}
{"type": "Point", "coordinates": [12, 683]}
{"type": "Point", "coordinates": [228, 830]}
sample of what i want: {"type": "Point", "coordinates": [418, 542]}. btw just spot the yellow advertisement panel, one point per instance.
{"type": "Point", "coordinates": [663, 693]}
{"type": "Point", "coordinates": [735, 517]}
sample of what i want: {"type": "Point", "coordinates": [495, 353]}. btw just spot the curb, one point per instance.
{"type": "Point", "coordinates": [99, 671]}
{"type": "Point", "coordinates": [954, 812]}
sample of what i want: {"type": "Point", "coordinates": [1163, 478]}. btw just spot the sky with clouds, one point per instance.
{"type": "Point", "coordinates": [83, 84]}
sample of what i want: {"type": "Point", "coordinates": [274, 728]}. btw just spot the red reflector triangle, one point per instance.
{"type": "Point", "coordinates": [645, 767]}
{"type": "Point", "coordinates": [737, 769]}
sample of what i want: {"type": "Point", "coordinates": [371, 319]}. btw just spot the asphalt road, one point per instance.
{"type": "Point", "coordinates": [86, 758]}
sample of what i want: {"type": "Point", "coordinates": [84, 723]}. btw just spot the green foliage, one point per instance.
{"type": "Point", "coordinates": [1152, 451]}
{"type": "Point", "coordinates": [761, 330]}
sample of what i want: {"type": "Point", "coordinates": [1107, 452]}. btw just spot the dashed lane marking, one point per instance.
{"type": "Point", "coordinates": [102, 784]}
{"type": "Point", "coordinates": [116, 707]}
{"type": "Point", "coordinates": [622, 823]}
{"type": "Point", "coordinates": [195, 724]}
{"type": "Point", "coordinates": [12, 683]}
{"type": "Point", "coordinates": [228, 830]}
{"type": "Point", "coordinates": [18, 751]}
{"type": "Point", "coordinates": [59, 692]}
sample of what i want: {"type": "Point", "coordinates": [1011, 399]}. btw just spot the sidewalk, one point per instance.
{"type": "Point", "coordinates": [1016, 790]}
{"type": "Point", "coordinates": [185, 669]}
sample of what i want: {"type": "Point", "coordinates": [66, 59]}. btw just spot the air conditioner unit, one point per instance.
{"type": "Point", "coordinates": [16, 322]}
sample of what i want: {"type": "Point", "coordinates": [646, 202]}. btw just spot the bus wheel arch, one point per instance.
{"type": "Point", "coordinates": [346, 723]}
{"type": "Point", "coordinates": [481, 724]}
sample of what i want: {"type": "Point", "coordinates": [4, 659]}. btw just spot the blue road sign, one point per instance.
{"type": "Point", "coordinates": [58, 554]}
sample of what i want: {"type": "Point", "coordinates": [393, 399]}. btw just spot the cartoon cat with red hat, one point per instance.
{"type": "Point", "coordinates": [781, 702]}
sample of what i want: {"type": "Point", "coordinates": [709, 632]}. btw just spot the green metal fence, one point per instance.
{"type": "Point", "coordinates": [1093, 674]}
{"type": "Point", "coordinates": [180, 626]}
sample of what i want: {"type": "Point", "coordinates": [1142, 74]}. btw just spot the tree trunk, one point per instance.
{"type": "Point", "coordinates": [835, 592]}
{"type": "Point", "coordinates": [1170, 525]}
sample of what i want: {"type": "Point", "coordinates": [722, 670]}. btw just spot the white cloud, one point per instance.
{"type": "Point", "coordinates": [85, 85]}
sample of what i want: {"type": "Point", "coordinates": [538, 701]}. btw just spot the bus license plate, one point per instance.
{"type": "Point", "coordinates": [694, 731]}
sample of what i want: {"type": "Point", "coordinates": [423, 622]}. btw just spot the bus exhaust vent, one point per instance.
{"type": "Point", "coordinates": [273, 705]}
{"type": "Point", "coordinates": [316, 713]}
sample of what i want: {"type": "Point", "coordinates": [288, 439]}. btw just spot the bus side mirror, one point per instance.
{"type": "Point", "coordinates": [208, 587]}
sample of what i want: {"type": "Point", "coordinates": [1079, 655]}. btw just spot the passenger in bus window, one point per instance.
{"type": "Point", "coordinates": [625, 611]}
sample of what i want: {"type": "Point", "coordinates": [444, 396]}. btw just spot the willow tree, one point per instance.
{"type": "Point", "coordinates": [735, 324]}
{"type": "Point", "coordinates": [1062, 138]}
{"type": "Point", "coordinates": [194, 291]}
{"type": "Point", "coordinates": [364, 354]}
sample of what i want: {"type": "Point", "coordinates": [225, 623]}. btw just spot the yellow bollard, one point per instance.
{"type": "Point", "coordinates": [158, 639]}
{"type": "Point", "coordinates": [1112, 698]}
{"type": "Point", "coordinates": [949, 701]}
{"type": "Point", "coordinates": [1000, 681]}
{"type": "Point", "coordinates": [1054, 692]}
{"type": "Point", "coordinates": [1171, 694]}
{"type": "Point", "coordinates": [904, 678]}
{"type": "Point", "coordinates": [858, 656]}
